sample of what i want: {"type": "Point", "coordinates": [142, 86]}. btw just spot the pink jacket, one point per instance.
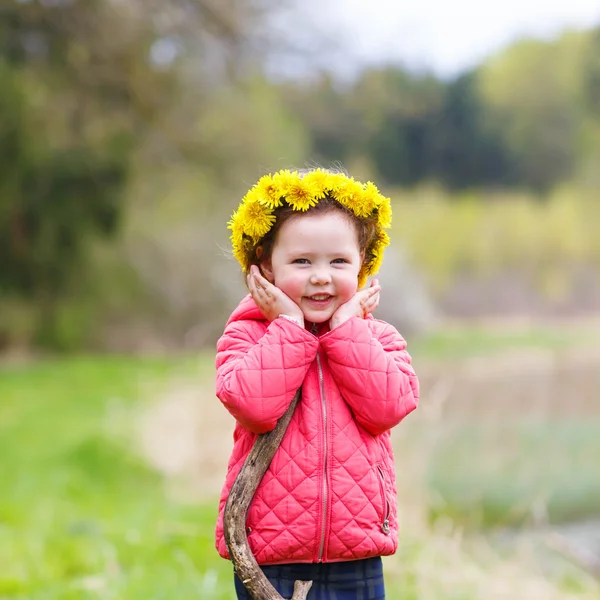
{"type": "Point", "coordinates": [330, 491]}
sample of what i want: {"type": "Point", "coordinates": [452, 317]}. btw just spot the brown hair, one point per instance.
{"type": "Point", "coordinates": [365, 228]}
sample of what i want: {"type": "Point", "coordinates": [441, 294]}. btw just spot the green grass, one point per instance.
{"type": "Point", "coordinates": [82, 516]}
{"type": "Point", "coordinates": [470, 341]}
{"type": "Point", "coordinates": [506, 474]}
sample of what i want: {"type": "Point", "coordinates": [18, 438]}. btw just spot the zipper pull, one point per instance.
{"type": "Point", "coordinates": [385, 527]}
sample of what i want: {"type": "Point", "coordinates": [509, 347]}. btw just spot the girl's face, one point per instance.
{"type": "Point", "coordinates": [316, 261]}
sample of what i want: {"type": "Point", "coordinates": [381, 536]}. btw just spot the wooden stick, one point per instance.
{"type": "Point", "coordinates": [236, 509]}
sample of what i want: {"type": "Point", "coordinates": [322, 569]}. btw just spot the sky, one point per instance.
{"type": "Point", "coordinates": [445, 36]}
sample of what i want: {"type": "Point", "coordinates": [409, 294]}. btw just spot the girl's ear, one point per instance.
{"type": "Point", "coordinates": [267, 271]}
{"type": "Point", "coordinates": [265, 268]}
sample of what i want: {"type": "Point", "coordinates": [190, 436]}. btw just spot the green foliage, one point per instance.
{"type": "Point", "coordinates": [534, 469]}
{"type": "Point", "coordinates": [532, 96]}
{"type": "Point", "coordinates": [522, 118]}
{"type": "Point", "coordinates": [466, 151]}
{"type": "Point", "coordinates": [408, 127]}
{"type": "Point", "coordinates": [58, 203]}
{"type": "Point", "coordinates": [481, 235]}
{"type": "Point", "coordinates": [62, 177]}
{"type": "Point", "coordinates": [591, 74]}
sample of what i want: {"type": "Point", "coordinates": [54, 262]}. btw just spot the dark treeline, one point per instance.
{"type": "Point", "coordinates": [411, 128]}
{"type": "Point", "coordinates": [528, 117]}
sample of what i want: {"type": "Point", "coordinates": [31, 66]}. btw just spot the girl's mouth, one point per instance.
{"type": "Point", "coordinates": [319, 300]}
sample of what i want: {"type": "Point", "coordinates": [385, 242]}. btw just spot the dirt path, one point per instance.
{"type": "Point", "coordinates": [186, 434]}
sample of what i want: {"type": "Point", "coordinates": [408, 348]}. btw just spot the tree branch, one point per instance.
{"type": "Point", "coordinates": [236, 509]}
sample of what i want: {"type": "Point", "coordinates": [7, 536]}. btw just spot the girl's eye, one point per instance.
{"type": "Point", "coordinates": [339, 261]}
{"type": "Point", "coordinates": [301, 261]}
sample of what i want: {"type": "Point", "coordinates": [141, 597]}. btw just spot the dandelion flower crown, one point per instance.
{"type": "Point", "coordinates": [256, 214]}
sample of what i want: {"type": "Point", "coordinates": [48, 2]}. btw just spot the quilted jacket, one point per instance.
{"type": "Point", "coordinates": [330, 491]}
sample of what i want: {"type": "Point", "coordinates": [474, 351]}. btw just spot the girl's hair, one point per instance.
{"type": "Point", "coordinates": [365, 228]}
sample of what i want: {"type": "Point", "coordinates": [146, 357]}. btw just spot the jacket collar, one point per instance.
{"type": "Point", "coordinates": [247, 310]}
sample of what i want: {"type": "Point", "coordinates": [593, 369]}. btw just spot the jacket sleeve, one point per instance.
{"type": "Point", "coordinates": [258, 375]}
{"type": "Point", "coordinates": [373, 371]}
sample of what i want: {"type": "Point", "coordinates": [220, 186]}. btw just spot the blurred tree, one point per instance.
{"type": "Point", "coordinates": [87, 90]}
{"type": "Point", "coordinates": [334, 127]}
{"type": "Point", "coordinates": [591, 77]}
{"type": "Point", "coordinates": [532, 100]}
{"type": "Point", "coordinates": [468, 151]}
{"type": "Point", "coordinates": [385, 115]}
{"type": "Point", "coordinates": [526, 117]}
{"type": "Point", "coordinates": [72, 110]}
{"type": "Point", "coordinates": [409, 105]}
{"type": "Point", "coordinates": [588, 172]}
{"type": "Point", "coordinates": [411, 127]}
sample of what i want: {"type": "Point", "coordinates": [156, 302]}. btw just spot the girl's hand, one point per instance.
{"type": "Point", "coordinates": [271, 301]}
{"type": "Point", "coordinates": [363, 303]}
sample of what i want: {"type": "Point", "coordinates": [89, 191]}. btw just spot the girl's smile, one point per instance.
{"type": "Point", "coordinates": [316, 261]}
{"type": "Point", "coordinates": [319, 302]}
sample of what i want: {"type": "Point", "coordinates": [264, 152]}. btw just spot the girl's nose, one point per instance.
{"type": "Point", "coordinates": [320, 277]}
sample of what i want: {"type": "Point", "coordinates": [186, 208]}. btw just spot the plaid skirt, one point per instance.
{"type": "Point", "coordinates": [353, 580]}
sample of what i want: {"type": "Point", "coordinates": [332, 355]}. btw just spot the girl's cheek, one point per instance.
{"type": "Point", "coordinates": [291, 285]}
{"type": "Point", "coordinates": [350, 289]}
{"type": "Point", "coordinates": [297, 284]}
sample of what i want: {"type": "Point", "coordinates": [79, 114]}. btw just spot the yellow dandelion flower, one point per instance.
{"type": "Point", "coordinates": [349, 193]}
{"type": "Point", "coordinates": [370, 191]}
{"type": "Point", "coordinates": [300, 195]}
{"type": "Point", "coordinates": [256, 218]}
{"type": "Point", "coordinates": [316, 190]}
{"type": "Point", "coordinates": [384, 214]}
{"type": "Point", "coordinates": [364, 204]}
{"type": "Point", "coordinates": [268, 192]}
{"type": "Point", "coordinates": [335, 182]}
{"type": "Point", "coordinates": [236, 225]}
{"type": "Point", "coordinates": [320, 182]}
{"type": "Point", "coordinates": [383, 239]}
{"type": "Point", "coordinates": [375, 262]}
{"type": "Point", "coordinates": [238, 243]}
{"type": "Point", "coordinates": [237, 234]}
{"type": "Point", "coordinates": [233, 222]}
{"type": "Point", "coordinates": [240, 256]}
{"type": "Point", "coordinates": [284, 179]}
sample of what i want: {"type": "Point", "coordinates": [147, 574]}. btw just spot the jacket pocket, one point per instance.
{"type": "Point", "coordinates": [385, 501]}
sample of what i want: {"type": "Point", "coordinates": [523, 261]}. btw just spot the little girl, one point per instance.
{"type": "Point", "coordinates": [326, 508]}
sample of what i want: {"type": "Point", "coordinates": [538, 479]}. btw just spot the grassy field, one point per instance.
{"type": "Point", "coordinates": [81, 515]}
{"type": "Point", "coordinates": [85, 515]}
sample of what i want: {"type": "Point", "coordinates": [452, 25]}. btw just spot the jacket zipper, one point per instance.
{"type": "Point", "coordinates": [324, 412]}
{"type": "Point", "coordinates": [385, 525]}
